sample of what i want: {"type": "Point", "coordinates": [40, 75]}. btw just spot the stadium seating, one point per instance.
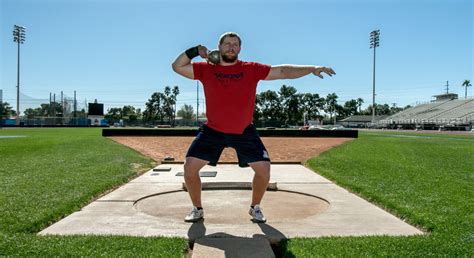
{"type": "Point", "coordinates": [441, 113]}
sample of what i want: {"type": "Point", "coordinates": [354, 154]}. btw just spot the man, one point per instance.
{"type": "Point", "coordinates": [230, 90]}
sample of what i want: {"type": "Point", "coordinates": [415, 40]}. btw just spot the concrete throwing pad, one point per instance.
{"type": "Point", "coordinates": [280, 206]}
{"type": "Point", "coordinates": [304, 205]}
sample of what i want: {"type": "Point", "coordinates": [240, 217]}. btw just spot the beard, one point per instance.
{"type": "Point", "coordinates": [229, 58]}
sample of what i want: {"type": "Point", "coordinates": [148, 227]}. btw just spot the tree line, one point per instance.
{"type": "Point", "coordinates": [288, 107]}
{"type": "Point", "coordinates": [160, 107]}
{"type": "Point", "coordinates": [6, 110]}
{"type": "Point", "coordinates": [272, 108]}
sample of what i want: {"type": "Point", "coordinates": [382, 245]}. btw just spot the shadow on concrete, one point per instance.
{"type": "Point", "coordinates": [196, 231]}
{"type": "Point", "coordinates": [272, 243]}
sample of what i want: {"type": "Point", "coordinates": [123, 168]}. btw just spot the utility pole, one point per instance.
{"type": "Point", "coordinates": [447, 87]}
{"type": "Point", "coordinates": [75, 104]}
{"type": "Point", "coordinates": [374, 43]}
{"type": "Point", "coordinates": [62, 104]}
{"type": "Point", "coordinates": [19, 37]}
{"type": "Point", "coordinates": [50, 105]}
{"type": "Point", "coordinates": [54, 105]}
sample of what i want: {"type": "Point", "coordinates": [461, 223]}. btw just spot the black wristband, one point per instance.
{"type": "Point", "coordinates": [192, 52]}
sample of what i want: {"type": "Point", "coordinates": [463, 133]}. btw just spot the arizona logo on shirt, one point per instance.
{"type": "Point", "coordinates": [229, 76]}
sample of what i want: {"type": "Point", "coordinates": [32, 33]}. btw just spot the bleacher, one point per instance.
{"type": "Point", "coordinates": [412, 112]}
{"type": "Point", "coordinates": [434, 113]}
{"type": "Point", "coordinates": [463, 112]}
{"type": "Point", "coordinates": [445, 112]}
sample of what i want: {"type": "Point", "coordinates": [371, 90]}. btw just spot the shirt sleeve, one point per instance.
{"type": "Point", "coordinates": [198, 69]}
{"type": "Point", "coordinates": [261, 71]}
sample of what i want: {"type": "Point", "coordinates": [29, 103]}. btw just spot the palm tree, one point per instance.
{"type": "Point", "coordinates": [174, 96]}
{"type": "Point", "coordinates": [331, 101]}
{"type": "Point", "coordinates": [360, 101]}
{"type": "Point", "coordinates": [466, 83]}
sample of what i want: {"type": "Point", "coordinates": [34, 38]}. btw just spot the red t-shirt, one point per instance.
{"type": "Point", "coordinates": [230, 93]}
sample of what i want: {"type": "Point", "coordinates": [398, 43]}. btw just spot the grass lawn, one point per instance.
{"type": "Point", "coordinates": [51, 173]}
{"type": "Point", "coordinates": [426, 181]}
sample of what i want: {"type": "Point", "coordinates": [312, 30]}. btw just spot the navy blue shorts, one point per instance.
{"type": "Point", "coordinates": [209, 144]}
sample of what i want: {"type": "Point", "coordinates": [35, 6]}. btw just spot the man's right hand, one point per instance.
{"type": "Point", "coordinates": [202, 51]}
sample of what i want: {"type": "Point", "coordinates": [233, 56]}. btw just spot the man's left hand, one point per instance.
{"type": "Point", "coordinates": [322, 69]}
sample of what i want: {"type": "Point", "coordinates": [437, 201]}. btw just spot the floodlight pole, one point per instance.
{"type": "Point", "coordinates": [19, 37]}
{"type": "Point", "coordinates": [374, 43]}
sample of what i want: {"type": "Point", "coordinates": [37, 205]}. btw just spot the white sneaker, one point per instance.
{"type": "Point", "coordinates": [257, 214]}
{"type": "Point", "coordinates": [194, 215]}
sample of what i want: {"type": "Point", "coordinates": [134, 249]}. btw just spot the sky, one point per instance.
{"type": "Point", "coordinates": [120, 52]}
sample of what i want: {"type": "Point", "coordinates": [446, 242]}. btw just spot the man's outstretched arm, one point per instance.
{"type": "Point", "coordinates": [288, 71]}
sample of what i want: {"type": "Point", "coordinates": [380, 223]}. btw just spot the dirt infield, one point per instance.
{"type": "Point", "coordinates": [281, 149]}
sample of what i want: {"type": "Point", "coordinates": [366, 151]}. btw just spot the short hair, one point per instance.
{"type": "Point", "coordinates": [229, 34]}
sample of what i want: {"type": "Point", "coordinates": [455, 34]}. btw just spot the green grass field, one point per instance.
{"type": "Point", "coordinates": [51, 173]}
